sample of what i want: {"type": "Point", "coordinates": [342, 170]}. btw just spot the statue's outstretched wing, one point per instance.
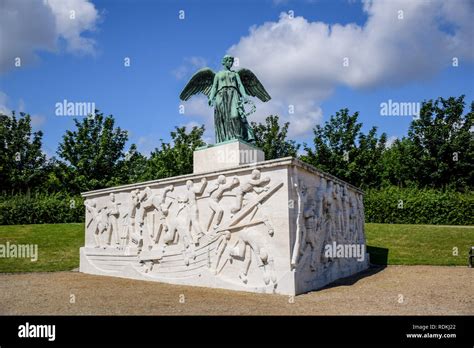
{"type": "Point", "coordinates": [252, 85]}
{"type": "Point", "coordinates": [201, 82]}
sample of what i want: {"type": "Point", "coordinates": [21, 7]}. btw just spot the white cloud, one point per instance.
{"type": "Point", "coordinates": [72, 18]}
{"type": "Point", "coordinates": [198, 106]}
{"type": "Point", "coordinates": [189, 66]}
{"type": "Point", "coordinates": [37, 121]}
{"type": "Point", "coordinates": [189, 125]}
{"type": "Point", "coordinates": [300, 62]}
{"type": "Point", "coordinates": [198, 110]}
{"type": "Point", "coordinates": [3, 104]}
{"type": "Point", "coordinates": [208, 135]}
{"type": "Point", "coordinates": [30, 26]}
{"type": "Point", "coordinates": [21, 105]}
{"type": "Point", "coordinates": [146, 144]}
{"type": "Point", "coordinates": [390, 141]}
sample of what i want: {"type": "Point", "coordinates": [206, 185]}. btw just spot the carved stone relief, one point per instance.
{"type": "Point", "coordinates": [230, 229]}
{"type": "Point", "coordinates": [156, 225]}
{"type": "Point", "coordinates": [327, 212]}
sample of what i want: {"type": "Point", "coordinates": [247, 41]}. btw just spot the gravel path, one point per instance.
{"type": "Point", "coordinates": [394, 290]}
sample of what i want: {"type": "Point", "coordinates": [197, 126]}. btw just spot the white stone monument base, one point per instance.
{"type": "Point", "coordinates": [225, 155]}
{"type": "Point", "coordinates": [278, 226]}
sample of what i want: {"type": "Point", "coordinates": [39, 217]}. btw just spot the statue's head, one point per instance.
{"type": "Point", "coordinates": [148, 191]}
{"type": "Point", "coordinates": [221, 179]}
{"type": "Point", "coordinates": [112, 197]}
{"type": "Point", "coordinates": [352, 200]}
{"type": "Point", "coordinates": [228, 61]}
{"type": "Point", "coordinates": [304, 190]}
{"type": "Point", "coordinates": [322, 184]}
{"type": "Point", "coordinates": [329, 186]}
{"type": "Point", "coordinates": [255, 174]}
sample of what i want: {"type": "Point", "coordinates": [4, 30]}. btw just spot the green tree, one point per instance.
{"type": "Point", "coordinates": [341, 149]}
{"type": "Point", "coordinates": [443, 145]}
{"type": "Point", "coordinates": [132, 168]}
{"type": "Point", "coordinates": [271, 138]}
{"type": "Point", "coordinates": [22, 162]}
{"type": "Point", "coordinates": [398, 163]}
{"type": "Point", "coordinates": [366, 168]}
{"type": "Point", "coordinates": [92, 153]}
{"type": "Point", "coordinates": [175, 158]}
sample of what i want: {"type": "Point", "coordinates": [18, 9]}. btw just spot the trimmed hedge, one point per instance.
{"type": "Point", "coordinates": [41, 209]}
{"type": "Point", "coordinates": [388, 205]}
{"type": "Point", "coordinates": [419, 206]}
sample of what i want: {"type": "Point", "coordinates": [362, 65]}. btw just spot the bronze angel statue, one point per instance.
{"type": "Point", "coordinates": [228, 91]}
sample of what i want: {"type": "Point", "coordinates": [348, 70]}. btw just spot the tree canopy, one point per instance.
{"type": "Point", "coordinates": [21, 158]}
{"type": "Point", "coordinates": [92, 152]}
{"type": "Point", "coordinates": [272, 138]}
{"type": "Point", "coordinates": [437, 152]}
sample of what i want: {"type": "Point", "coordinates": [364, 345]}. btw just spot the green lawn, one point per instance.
{"type": "Point", "coordinates": [418, 244]}
{"type": "Point", "coordinates": [58, 245]}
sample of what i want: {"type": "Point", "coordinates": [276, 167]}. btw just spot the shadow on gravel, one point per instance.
{"type": "Point", "coordinates": [373, 269]}
{"type": "Point", "coordinates": [378, 262]}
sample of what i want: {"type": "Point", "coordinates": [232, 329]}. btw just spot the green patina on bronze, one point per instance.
{"type": "Point", "coordinates": [228, 91]}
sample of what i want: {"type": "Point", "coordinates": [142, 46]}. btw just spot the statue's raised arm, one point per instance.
{"type": "Point", "coordinates": [228, 91]}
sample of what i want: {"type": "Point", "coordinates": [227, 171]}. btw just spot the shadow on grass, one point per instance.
{"type": "Point", "coordinates": [378, 262]}
{"type": "Point", "coordinates": [378, 256]}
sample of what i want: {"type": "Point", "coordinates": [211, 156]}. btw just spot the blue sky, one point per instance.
{"type": "Point", "coordinates": [297, 55]}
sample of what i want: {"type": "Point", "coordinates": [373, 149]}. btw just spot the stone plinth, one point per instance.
{"type": "Point", "coordinates": [226, 155]}
{"type": "Point", "coordinates": [277, 226]}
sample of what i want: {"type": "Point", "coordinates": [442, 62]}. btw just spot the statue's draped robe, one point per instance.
{"type": "Point", "coordinates": [229, 116]}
